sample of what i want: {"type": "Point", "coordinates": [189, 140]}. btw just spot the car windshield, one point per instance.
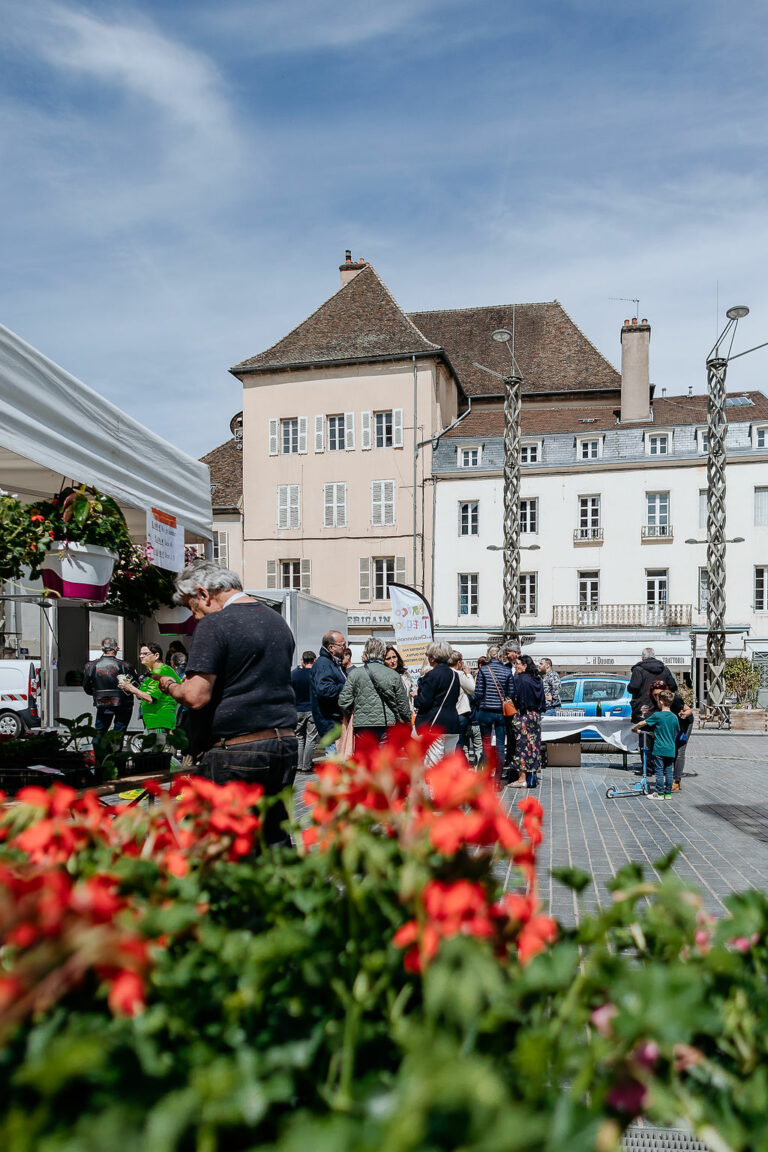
{"type": "Point", "coordinates": [603, 690]}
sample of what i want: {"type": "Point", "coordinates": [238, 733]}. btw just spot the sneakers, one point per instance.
{"type": "Point", "coordinates": [656, 795]}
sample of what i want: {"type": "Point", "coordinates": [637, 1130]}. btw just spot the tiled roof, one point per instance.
{"type": "Point", "coordinates": [667, 412]}
{"type": "Point", "coordinates": [360, 322]}
{"type": "Point", "coordinates": [552, 352]}
{"type": "Point", "coordinates": [226, 467]}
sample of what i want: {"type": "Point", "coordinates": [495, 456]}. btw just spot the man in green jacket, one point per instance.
{"type": "Point", "coordinates": [374, 695]}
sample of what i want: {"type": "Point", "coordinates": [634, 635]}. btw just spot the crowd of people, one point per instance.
{"type": "Point", "coordinates": [250, 714]}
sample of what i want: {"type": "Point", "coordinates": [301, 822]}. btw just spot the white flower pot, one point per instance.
{"type": "Point", "coordinates": [78, 571]}
{"type": "Point", "coordinates": [175, 621]}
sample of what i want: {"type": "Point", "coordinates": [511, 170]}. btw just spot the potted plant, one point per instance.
{"type": "Point", "coordinates": [87, 535]}
{"type": "Point", "coordinates": [742, 679]}
{"type": "Point", "coordinates": [21, 536]}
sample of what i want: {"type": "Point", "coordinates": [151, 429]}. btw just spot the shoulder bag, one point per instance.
{"type": "Point", "coordinates": [507, 705]}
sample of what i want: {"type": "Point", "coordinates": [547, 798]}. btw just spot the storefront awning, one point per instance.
{"type": "Point", "coordinates": [53, 426]}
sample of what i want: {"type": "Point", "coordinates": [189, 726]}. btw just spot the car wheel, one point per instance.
{"type": "Point", "coordinates": [10, 724]}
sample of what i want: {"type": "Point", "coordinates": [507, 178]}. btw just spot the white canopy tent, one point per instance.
{"type": "Point", "coordinates": [52, 426]}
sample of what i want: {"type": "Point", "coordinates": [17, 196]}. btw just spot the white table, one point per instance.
{"type": "Point", "coordinates": [615, 730]}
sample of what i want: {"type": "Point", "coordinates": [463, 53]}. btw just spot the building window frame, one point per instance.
{"type": "Point", "coordinates": [530, 452]}
{"type": "Point", "coordinates": [528, 593]}
{"type": "Point", "coordinates": [337, 433]}
{"type": "Point", "coordinates": [529, 516]}
{"type": "Point", "coordinates": [469, 455]}
{"type": "Point", "coordinates": [221, 546]}
{"type": "Point", "coordinates": [290, 574]}
{"type": "Point", "coordinates": [702, 441]}
{"type": "Point", "coordinates": [469, 517]}
{"type": "Point", "coordinates": [656, 588]}
{"type": "Point", "coordinates": [703, 588]}
{"type": "Point", "coordinates": [658, 442]}
{"type": "Point", "coordinates": [468, 594]}
{"type": "Point", "coordinates": [760, 436]}
{"type": "Point", "coordinates": [588, 585]}
{"type": "Point", "coordinates": [589, 447]}
{"type": "Point", "coordinates": [760, 587]}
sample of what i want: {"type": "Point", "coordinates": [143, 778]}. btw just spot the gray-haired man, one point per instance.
{"type": "Point", "coordinates": [100, 680]}
{"type": "Point", "coordinates": [238, 683]}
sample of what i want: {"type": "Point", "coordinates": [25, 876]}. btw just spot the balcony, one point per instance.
{"type": "Point", "coordinates": [587, 535]}
{"type": "Point", "coordinates": [657, 534]}
{"type": "Point", "coordinates": [621, 615]}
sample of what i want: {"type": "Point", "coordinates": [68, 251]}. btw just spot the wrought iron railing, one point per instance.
{"type": "Point", "coordinates": [587, 535]}
{"type": "Point", "coordinates": [656, 532]}
{"type": "Point", "coordinates": [621, 615]}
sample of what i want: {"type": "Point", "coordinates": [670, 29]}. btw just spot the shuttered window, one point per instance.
{"type": "Point", "coordinates": [288, 510]}
{"type": "Point", "coordinates": [365, 579]}
{"type": "Point", "coordinates": [290, 435]}
{"type": "Point", "coordinates": [365, 430]}
{"type": "Point", "coordinates": [221, 547]}
{"type": "Point", "coordinates": [335, 506]}
{"type": "Point", "coordinates": [319, 433]}
{"type": "Point", "coordinates": [397, 428]}
{"type": "Point", "coordinates": [272, 427]}
{"type": "Point", "coordinates": [349, 431]}
{"type": "Point", "coordinates": [383, 429]}
{"type": "Point", "coordinates": [336, 439]}
{"type": "Point", "coordinates": [271, 573]}
{"type": "Point", "coordinates": [306, 576]}
{"type": "Point", "coordinates": [761, 507]}
{"type": "Point", "coordinates": [290, 574]}
{"type": "Point", "coordinates": [382, 503]}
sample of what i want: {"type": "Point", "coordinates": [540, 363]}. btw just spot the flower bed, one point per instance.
{"type": "Point", "coordinates": [168, 984]}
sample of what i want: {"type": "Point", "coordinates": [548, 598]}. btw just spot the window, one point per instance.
{"type": "Point", "coordinates": [703, 589]}
{"type": "Point", "coordinates": [385, 570]}
{"type": "Point", "coordinates": [567, 691]}
{"type": "Point", "coordinates": [383, 429]}
{"type": "Point", "coordinates": [761, 584]}
{"type": "Point", "coordinates": [468, 518]}
{"type": "Point", "coordinates": [589, 449]}
{"type": "Point", "coordinates": [657, 444]}
{"type": "Point", "coordinates": [528, 593]}
{"type": "Point", "coordinates": [221, 547]}
{"type": "Point", "coordinates": [589, 590]}
{"type": "Point", "coordinates": [382, 503]}
{"type": "Point", "coordinates": [589, 518]}
{"type": "Point", "coordinates": [657, 514]}
{"type": "Point", "coordinates": [469, 457]}
{"type": "Point", "coordinates": [656, 587]}
{"type": "Point", "coordinates": [529, 515]}
{"type": "Point", "coordinates": [290, 431]}
{"type": "Point", "coordinates": [702, 509]}
{"type": "Point", "coordinates": [761, 507]}
{"type": "Point", "coordinates": [760, 437]}
{"type": "Point", "coordinates": [336, 437]}
{"type": "Point", "coordinates": [334, 506]}
{"type": "Point", "coordinates": [288, 513]}
{"type": "Point", "coordinates": [529, 453]}
{"type": "Point", "coordinates": [383, 575]}
{"type": "Point", "coordinates": [594, 690]}
{"type": "Point", "coordinates": [468, 593]}
{"type": "Point", "coordinates": [703, 440]}
{"type": "Point", "coordinates": [290, 573]}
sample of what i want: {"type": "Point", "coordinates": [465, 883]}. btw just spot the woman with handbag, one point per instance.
{"type": "Point", "coordinates": [492, 691]}
{"type": "Point", "coordinates": [529, 698]}
{"type": "Point", "coordinates": [435, 703]}
{"type": "Point", "coordinates": [374, 698]}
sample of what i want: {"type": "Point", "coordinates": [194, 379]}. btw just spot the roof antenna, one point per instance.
{"type": "Point", "coordinates": [628, 300]}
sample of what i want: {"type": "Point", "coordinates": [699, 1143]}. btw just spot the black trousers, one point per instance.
{"type": "Point", "coordinates": [271, 763]}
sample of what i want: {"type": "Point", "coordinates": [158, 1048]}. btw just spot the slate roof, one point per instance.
{"type": "Point", "coordinates": [226, 467]}
{"type": "Point", "coordinates": [668, 411]}
{"type": "Point", "coordinates": [361, 321]}
{"type": "Point", "coordinates": [552, 352]}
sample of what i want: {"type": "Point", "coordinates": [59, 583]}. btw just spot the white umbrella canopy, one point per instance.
{"type": "Point", "coordinates": [54, 427]}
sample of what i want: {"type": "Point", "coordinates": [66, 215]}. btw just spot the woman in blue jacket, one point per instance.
{"type": "Point", "coordinates": [528, 696]}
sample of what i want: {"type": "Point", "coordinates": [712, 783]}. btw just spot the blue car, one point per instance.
{"type": "Point", "coordinates": [581, 693]}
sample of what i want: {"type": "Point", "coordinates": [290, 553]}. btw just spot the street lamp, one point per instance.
{"type": "Point", "coordinates": [734, 540]}
{"type": "Point", "coordinates": [522, 547]}
{"type": "Point", "coordinates": [717, 367]}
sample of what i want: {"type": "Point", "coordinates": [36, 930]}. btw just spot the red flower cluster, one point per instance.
{"type": "Point", "coordinates": [54, 931]}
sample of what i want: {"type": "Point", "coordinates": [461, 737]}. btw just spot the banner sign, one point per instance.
{"type": "Point", "coordinates": [165, 540]}
{"type": "Point", "coordinates": [412, 622]}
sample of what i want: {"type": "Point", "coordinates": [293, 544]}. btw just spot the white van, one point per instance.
{"type": "Point", "coordinates": [19, 696]}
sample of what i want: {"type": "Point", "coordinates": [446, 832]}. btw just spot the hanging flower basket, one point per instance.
{"type": "Point", "coordinates": [78, 571]}
{"type": "Point", "coordinates": [175, 621]}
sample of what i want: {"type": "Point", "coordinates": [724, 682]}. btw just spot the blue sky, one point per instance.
{"type": "Point", "coordinates": [179, 181]}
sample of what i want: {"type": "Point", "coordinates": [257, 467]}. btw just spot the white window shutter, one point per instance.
{"type": "Point", "coordinates": [365, 430]}
{"type": "Point", "coordinates": [306, 576]}
{"type": "Point", "coordinates": [377, 509]}
{"type": "Point", "coordinates": [349, 431]}
{"type": "Point", "coordinates": [329, 505]}
{"type": "Point", "coordinates": [294, 514]}
{"type": "Point", "coordinates": [397, 428]}
{"type": "Point", "coordinates": [303, 435]}
{"type": "Point", "coordinates": [399, 569]}
{"type": "Point", "coordinates": [388, 494]}
{"type": "Point", "coordinates": [365, 578]}
{"type": "Point", "coordinates": [273, 428]}
{"type": "Point", "coordinates": [271, 573]}
{"type": "Point", "coordinates": [319, 433]}
{"type": "Point", "coordinates": [282, 505]}
{"type": "Point", "coordinates": [341, 505]}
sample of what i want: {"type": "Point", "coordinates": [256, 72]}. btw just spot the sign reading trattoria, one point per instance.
{"type": "Point", "coordinates": [165, 539]}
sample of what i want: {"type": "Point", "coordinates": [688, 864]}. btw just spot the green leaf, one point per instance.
{"type": "Point", "coordinates": [573, 878]}
{"type": "Point", "coordinates": [664, 864]}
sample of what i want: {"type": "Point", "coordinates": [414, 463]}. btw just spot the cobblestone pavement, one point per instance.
{"type": "Point", "coordinates": [719, 819]}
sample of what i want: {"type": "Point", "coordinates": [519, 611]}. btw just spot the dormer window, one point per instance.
{"type": "Point", "coordinates": [589, 447]}
{"type": "Point", "coordinates": [470, 456]}
{"type": "Point", "coordinates": [657, 443]}
{"type": "Point", "coordinates": [530, 452]}
{"type": "Point", "coordinates": [760, 436]}
{"type": "Point", "coordinates": [702, 440]}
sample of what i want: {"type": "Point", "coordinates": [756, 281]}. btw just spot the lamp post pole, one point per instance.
{"type": "Point", "coordinates": [716, 459]}
{"type": "Point", "coordinates": [511, 605]}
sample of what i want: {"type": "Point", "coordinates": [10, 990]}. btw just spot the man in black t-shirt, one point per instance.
{"type": "Point", "coordinates": [239, 678]}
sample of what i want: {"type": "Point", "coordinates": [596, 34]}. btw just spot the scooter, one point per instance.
{"type": "Point", "coordinates": [641, 788]}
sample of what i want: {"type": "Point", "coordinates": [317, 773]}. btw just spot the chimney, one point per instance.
{"type": "Point", "coordinates": [635, 375]}
{"type": "Point", "coordinates": [350, 268]}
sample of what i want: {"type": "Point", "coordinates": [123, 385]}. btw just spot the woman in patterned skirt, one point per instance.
{"type": "Point", "coordinates": [527, 693]}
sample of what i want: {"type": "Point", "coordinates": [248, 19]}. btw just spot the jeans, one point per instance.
{"type": "Point", "coordinates": [664, 767]}
{"type": "Point", "coordinates": [306, 734]}
{"type": "Point", "coordinates": [497, 722]}
{"type": "Point", "coordinates": [271, 763]}
{"type": "Point", "coordinates": [106, 714]}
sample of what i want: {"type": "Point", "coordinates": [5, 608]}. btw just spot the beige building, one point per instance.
{"type": "Point", "coordinates": [225, 464]}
